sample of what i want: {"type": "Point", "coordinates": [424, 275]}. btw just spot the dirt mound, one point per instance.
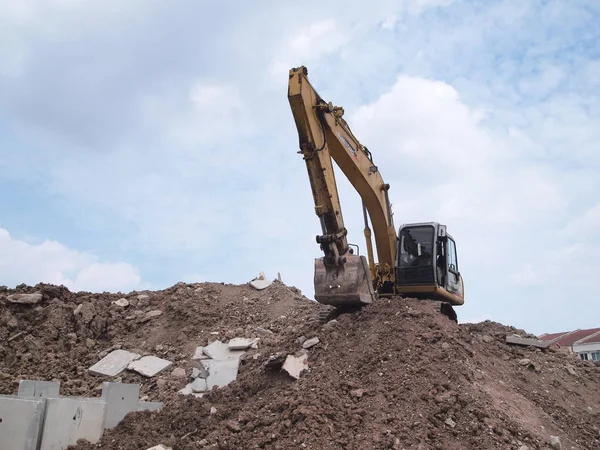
{"type": "Point", "coordinates": [395, 375]}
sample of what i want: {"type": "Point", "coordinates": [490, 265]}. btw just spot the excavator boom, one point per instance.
{"type": "Point", "coordinates": [341, 278]}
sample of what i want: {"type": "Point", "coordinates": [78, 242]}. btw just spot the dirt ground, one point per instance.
{"type": "Point", "coordinates": [395, 375]}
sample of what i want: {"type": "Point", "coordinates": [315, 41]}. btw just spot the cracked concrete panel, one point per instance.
{"type": "Point", "coordinates": [38, 389]}
{"type": "Point", "coordinates": [121, 399]}
{"type": "Point", "coordinates": [149, 366]}
{"type": "Point", "coordinates": [113, 363]}
{"type": "Point", "coordinates": [221, 372]}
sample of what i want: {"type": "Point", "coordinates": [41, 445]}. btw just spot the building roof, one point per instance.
{"type": "Point", "coordinates": [569, 338]}
{"type": "Point", "coordinates": [591, 339]}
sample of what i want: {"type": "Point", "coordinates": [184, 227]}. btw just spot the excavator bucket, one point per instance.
{"type": "Point", "coordinates": [349, 285]}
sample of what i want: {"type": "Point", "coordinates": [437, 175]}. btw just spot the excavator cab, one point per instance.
{"type": "Point", "coordinates": [427, 263]}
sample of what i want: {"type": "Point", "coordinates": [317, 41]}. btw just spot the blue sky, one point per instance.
{"type": "Point", "coordinates": [144, 143]}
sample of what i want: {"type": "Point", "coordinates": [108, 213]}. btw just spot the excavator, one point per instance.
{"type": "Point", "coordinates": [419, 261]}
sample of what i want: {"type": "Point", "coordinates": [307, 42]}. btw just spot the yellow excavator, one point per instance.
{"type": "Point", "coordinates": [419, 261]}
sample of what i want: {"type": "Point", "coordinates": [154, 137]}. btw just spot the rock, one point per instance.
{"type": "Point", "coordinates": [445, 346]}
{"type": "Point", "coordinates": [161, 382]}
{"type": "Point", "coordinates": [178, 372]}
{"type": "Point", "coordinates": [143, 297]}
{"type": "Point", "coordinates": [331, 324]}
{"type": "Point", "coordinates": [90, 343]}
{"type": "Point", "coordinates": [155, 313]}
{"type": "Point", "coordinates": [260, 284]}
{"type": "Point", "coordinates": [555, 443]}
{"type": "Point", "coordinates": [357, 393]}
{"type": "Point", "coordinates": [523, 447]}
{"type": "Point", "coordinates": [487, 338]}
{"type": "Point", "coordinates": [199, 385]}
{"type": "Point", "coordinates": [25, 299]}
{"type": "Point", "coordinates": [213, 410]}
{"type": "Point", "coordinates": [203, 442]}
{"type": "Point", "coordinates": [310, 342]}
{"type": "Point", "coordinates": [234, 426]}
{"type": "Point", "coordinates": [524, 362]}
{"type": "Point", "coordinates": [77, 310]}
{"type": "Point", "coordinates": [123, 302]}
{"type": "Point", "coordinates": [275, 361]}
{"type": "Point", "coordinates": [451, 423]}
{"type": "Point", "coordinates": [294, 366]}
{"type": "Point", "coordinates": [160, 447]}
{"type": "Point", "coordinates": [571, 369]}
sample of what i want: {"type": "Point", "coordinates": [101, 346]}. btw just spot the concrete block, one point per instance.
{"type": "Point", "coordinates": [38, 389]}
{"type": "Point", "coordinates": [220, 351]}
{"type": "Point", "coordinates": [113, 363]}
{"type": "Point", "coordinates": [149, 365]}
{"type": "Point", "coordinates": [149, 406]}
{"type": "Point", "coordinates": [21, 422]}
{"type": "Point", "coordinates": [220, 372]}
{"type": "Point", "coordinates": [68, 419]}
{"type": "Point", "coordinates": [121, 399]}
{"type": "Point", "coordinates": [518, 340]}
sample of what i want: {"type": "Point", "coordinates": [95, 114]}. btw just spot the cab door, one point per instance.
{"type": "Point", "coordinates": [453, 278]}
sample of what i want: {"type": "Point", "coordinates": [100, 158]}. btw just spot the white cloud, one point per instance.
{"type": "Point", "coordinates": [52, 262]}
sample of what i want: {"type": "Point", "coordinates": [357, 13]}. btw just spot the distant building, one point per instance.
{"type": "Point", "coordinates": [586, 343]}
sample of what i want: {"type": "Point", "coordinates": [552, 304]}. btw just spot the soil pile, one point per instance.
{"type": "Point", "coordinates": [394, 375]}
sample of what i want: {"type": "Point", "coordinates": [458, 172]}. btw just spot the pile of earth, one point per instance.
{"type": "Point", "coordinates": [394, 375]}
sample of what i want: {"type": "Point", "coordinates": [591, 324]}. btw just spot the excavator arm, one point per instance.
{"type": "Point", "coordinates": [340, 277]}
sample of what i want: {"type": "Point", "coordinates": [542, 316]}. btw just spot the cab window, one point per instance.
{"type": "Point", "coordinates": [416, 247]}
{"type": "Point", "coordinates": [452, 260]}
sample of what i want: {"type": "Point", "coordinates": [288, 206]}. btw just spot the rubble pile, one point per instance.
{"type": "Point", "coordinates": [394, 375]}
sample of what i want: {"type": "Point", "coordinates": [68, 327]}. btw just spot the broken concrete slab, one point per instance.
{"type": "Point", "coordinates": [260, 284]}
{"type": "Point", "coordinates": [21, 422]}
{"type": "Point", "coordinates": [310, 342]}
{"type": "Point", "coordinates": [241, 343]}
{"type": "Point", "coordinates": [25, 299]}
{"type": "Point", "coordinates": [220, 372]}
{"type": "Point", "coordinates": [113, 363]}
{"type": "Point", "coordinates": [199, 372]}
{"type": "Point", "coordinates": [149, 366]}
{"type": "Point", "coordinates": [178, 372]}
{"type": "Point", "coordinates": [294, 365]}
{"type": "Point", "coordinates": [199, 385]}
{"type": "Point", "coordinates": [68, 419]}
{"type": "Point", "coordinates": [121, 399]}
{"type": "Point", "coordinates": [199, 354]}
{"type": "Point", "coordinates": [220, 351]}
{"type": "Point", "coordinates": [38, 389]}
{"type": "Point", "coordinates": [518, 340]}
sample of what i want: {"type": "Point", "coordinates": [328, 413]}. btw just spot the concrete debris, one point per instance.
{"type": "Point", "coordinates": [199, 385]}
{"type": "Point", "coordinates": [120, 399]}
{"type": "Point", "coordinates": [25, 299]}
{"type": "Point", "coordinates": [199, 354]}
{"type": "Point", "coordinates": [77, 310]}
{"type": "Point", "coordinates": [518, 340]}
{"type": "Point", "coordinates": [357, 393]}
{"type": "Point", "coordinates": [149, 366]}
{"type": "Point", "coordinates": [294, 366]}
{"type": "Point", "coordinates": [113, 363]}
{"type": "Point", "coordinates": [221, 351]}
{"type": "Point", "coordinates": [160, 447]}
{"type": "Point", "coordinates": [178, 372]}
{"type": "Point", "coordinates": [310, 342]}
{"type": "Point", "coordinates": [143, 297]}
{"type": "Point", "coordinates": [213, 410]}
{"type": "Point", "coordinates": [38, 388]}
{"type": "Point", "coordinates": [523, 447]}
{"type": "Point", "coordinates": [123, 302]}
{"type": "Point", "coordinates": [555, 443]}
{"type": "Point", "coordinates": [260, 284]}
{"type": "Point", "coordinates": [187, 390]}
{"type": "Point", "coordinates": [524, 362]}
{"type": "Point", "coordinates": [571, 369]}
{"type": "Point", "coordinates": [241, 343]}
{"type": "Point", "coordinates": [451, 423]}
{"type": "Point", "coordinates": [221, 372]}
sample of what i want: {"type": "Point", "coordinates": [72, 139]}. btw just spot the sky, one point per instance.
{"type": "Point", "coordinates": [144, 143]}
